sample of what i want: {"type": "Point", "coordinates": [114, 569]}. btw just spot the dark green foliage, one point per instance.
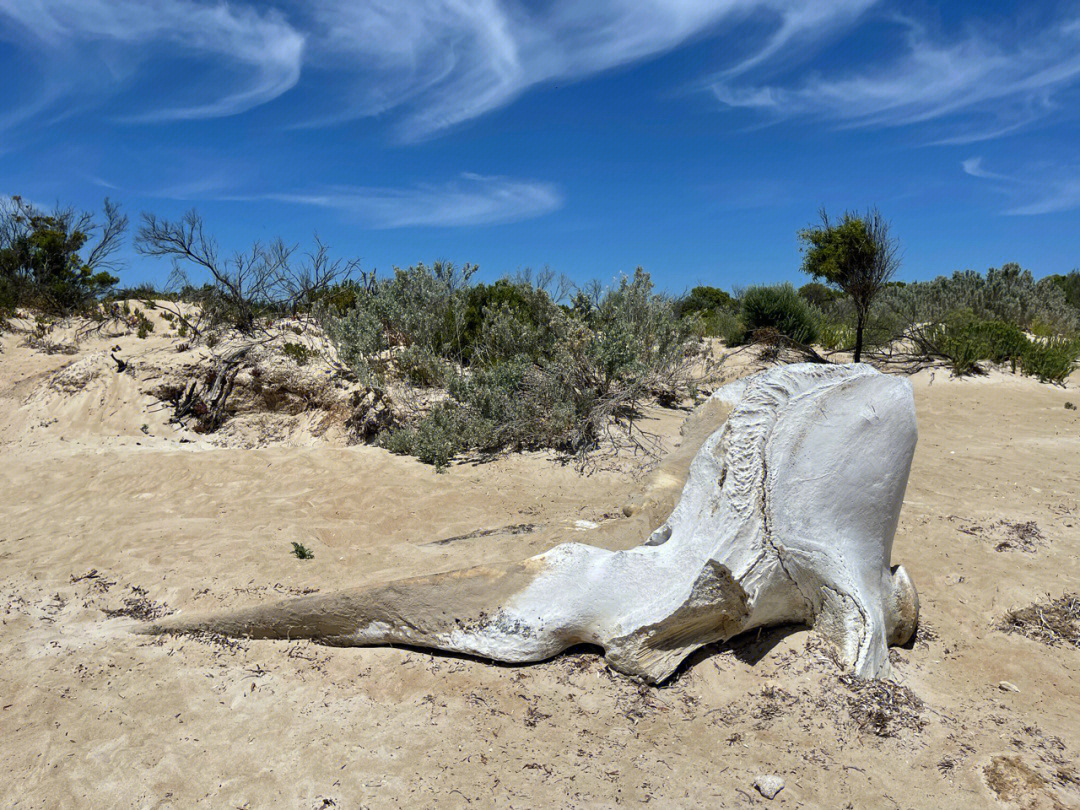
{"type": "Point", "coordinates": [342, 296]}
{"type": "Point", "coordinates": [302, 552]}
{"type": "Point", "coordinates": [965, 340]}
{"type": "Point", "coordinates": [818, 295]}
{"type": "Point", "coordinates": [518, 323]}
{"type": "Point", "coordinates": [42, 262]}
{"type": "Point", "coordinates": [715, 312]}
{"type": "Point", "coordinates": [704, 299]}
{"type": "Point", "coordinates": [298, 352]}
{"type": "Point", "coordinates": [143, 325]}
{"type": "Point", "coordinates": [779, 307]}
{"type": "Point", "coordinates": [498, 319]}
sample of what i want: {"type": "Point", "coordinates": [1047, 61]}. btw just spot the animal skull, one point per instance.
{"type": "Point", "coordinates": [787, 516]}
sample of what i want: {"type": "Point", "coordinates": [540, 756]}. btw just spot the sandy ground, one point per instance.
{"type": "Point", "coordinates": [99, 513]}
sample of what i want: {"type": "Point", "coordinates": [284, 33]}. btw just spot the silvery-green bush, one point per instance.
{"type": "Point", "coordinates": [1009, 295]}
{"type": "Point", "coordinates": [519, 371]}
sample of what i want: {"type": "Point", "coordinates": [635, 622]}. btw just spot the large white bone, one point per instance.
{"type": "Point", "coordinates": [787, 516]}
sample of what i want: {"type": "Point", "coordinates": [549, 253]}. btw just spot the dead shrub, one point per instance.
{"type": "Point", "coordinates": [883, 708]}
{"type": "Point", "coordinates": [1053, 621]}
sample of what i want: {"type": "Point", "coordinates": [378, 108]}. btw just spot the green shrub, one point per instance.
{"type": "Point", "coordinates": [964, 341]}
{"type": "Point", "coordinates": [724, 325]}
{"type": "Point", "coordinates": [503, 319]}
{"type": "Point", "coordinates": [780, 308]}
{"type": "Point", "coordinates": [358, 335]}
{"type": "Point", "coordinates": [143, 325]}
{"type": "Point", "coordinates": [1009, 295]}
{"type": "Point", "coordinates": [1069, 284]}
{"type": "Point", "coordinates": [421, 367]}
{"type": "Point", "coordinates": [1052, 360]}
{"type": "Point", "coordinates": [705, 301]}
{"type": "Point", "coordinates": [519, 371]}
{"type": "Point", "coordinates": [441, 435]}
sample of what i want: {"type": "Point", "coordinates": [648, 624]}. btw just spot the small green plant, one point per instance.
{"type": "Point", "coordinates": [834, 335]}
{"type": "Point", "coordinates": [730, 329]}
{"type": "Point", "coordinates": [302, 552]}
{"type": "Point", "coordinates": [299, 353]}
{"type": "Point", "coordinates": [143, 325]}
{"type": "Point", "coordinates": [421, 367]}
{"type": "Point", "coordinates": [440, 436]}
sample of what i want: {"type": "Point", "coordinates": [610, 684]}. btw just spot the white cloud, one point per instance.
{"type": "Point", "coordinates": [976, 76]}
{"type": "Point", "coordinates": [435, 63]}
{"type": "Point", "coordinates": [448, 61]}
{"type": "Point", "coordinates": [472, 199]}
{"type": "Point", "coordinates": [89, 49]}
{"type": "Point", "coordinates": [974, 167]}
{"type": "Point", "coordinates": [1058, 193]}
{"type": "Point", "coordinates": [427, 65]}
{"type": "Point", "coordinates": [1042, 189]}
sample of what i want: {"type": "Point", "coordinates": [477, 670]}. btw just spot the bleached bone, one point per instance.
{"type": "Point", "coordinates": [787, 516]}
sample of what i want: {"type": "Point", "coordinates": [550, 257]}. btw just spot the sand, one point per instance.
{"type": "Point", "coordinates": [100, 514]}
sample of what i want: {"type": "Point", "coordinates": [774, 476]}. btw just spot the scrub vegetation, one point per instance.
{"type": "Point", "coordinates": [534, 361]}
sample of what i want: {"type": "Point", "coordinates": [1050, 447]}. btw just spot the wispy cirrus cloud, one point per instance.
{"type": "Point", "coordinates": [446, 61]}
{"type": "Point", "coordinates": [977, 86]}
{"type": "Point", "coordinates": [431, 63]}
{"type": "Point", "coordinates": [471, 199]}
{"type": "Point", "coordinates": [84, 51]}
{"type": "Point", "coordinates": [974, 166]}
{"type": "Point", "coordinates": [1041, 189]}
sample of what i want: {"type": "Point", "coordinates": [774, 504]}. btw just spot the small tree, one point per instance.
{"type": "Point", "coordinates": [41, 255]}
{"type": "Point", "coordinates": [855, 254]}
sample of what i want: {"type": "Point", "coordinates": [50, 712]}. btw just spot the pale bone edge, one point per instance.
{"type": "Point", "coordinates": [787, 516]}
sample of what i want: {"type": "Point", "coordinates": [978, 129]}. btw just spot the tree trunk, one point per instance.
{"type": "Point", "coordinates": [860, 322]}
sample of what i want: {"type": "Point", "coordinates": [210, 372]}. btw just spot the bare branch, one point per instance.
{"type": "Point", "coordinates": [112, 231]}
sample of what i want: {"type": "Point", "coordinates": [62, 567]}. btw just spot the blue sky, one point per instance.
{"type": "Point", "coordinates": [692, 138]}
